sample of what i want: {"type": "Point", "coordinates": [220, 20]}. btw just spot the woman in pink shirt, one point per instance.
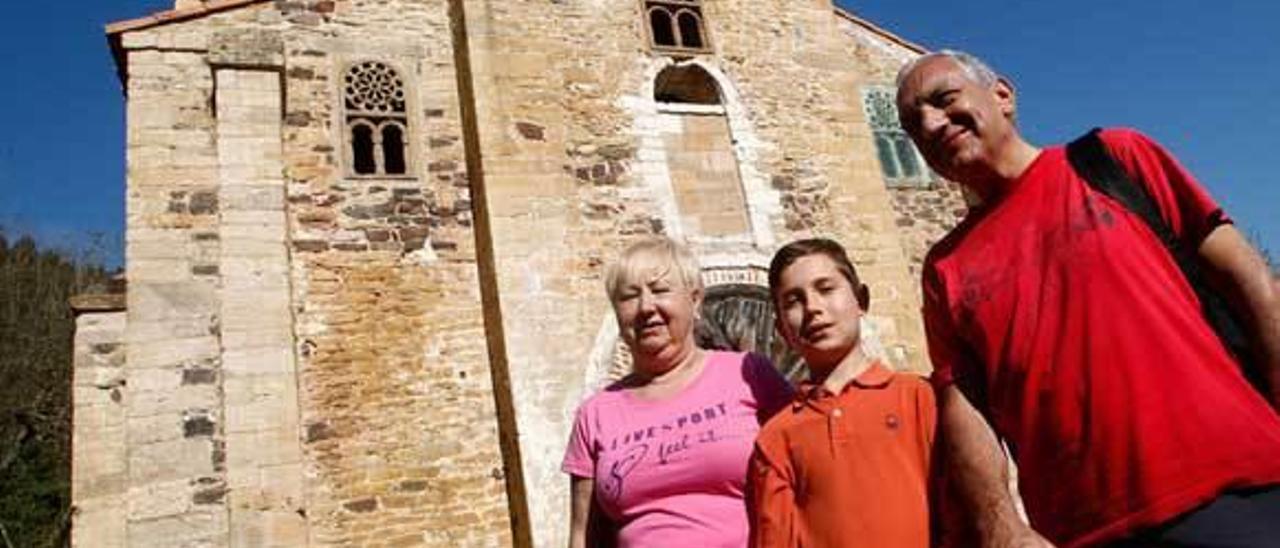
{"type": "Point", "coordinates": [662, 454]}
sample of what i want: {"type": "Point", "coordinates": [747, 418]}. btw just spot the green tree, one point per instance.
{"type": "Point", "coordinates": [36, 329]}
{"type": "Point", "coordinates": [1256, 239]}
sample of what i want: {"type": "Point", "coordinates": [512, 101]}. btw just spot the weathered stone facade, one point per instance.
{"type": "Point", "coordinates": [319, 354]}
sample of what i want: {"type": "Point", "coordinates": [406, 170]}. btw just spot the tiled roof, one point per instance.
{"type": "Point", "coordinates": [174, 15]}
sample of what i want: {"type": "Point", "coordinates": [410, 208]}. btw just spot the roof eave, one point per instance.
{"type": "Point", "coordinates": [116, 30]}
{"type": "Point", "coordinates": [880, 31]}
{"type": "Point", "coordinates": [175, 15]}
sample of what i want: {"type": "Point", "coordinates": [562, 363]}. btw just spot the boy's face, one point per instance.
{"type": "Point", "coordinates": [819, 310]}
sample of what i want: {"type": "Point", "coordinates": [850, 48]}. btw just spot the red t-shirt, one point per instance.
{"type": "Point", "coordinates": [1064, 318]}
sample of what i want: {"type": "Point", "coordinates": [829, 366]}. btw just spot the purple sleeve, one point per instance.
{"type": "Point", "coordinates": [579, 456]}
{"type": "Point", "coordinates": [771, 390]}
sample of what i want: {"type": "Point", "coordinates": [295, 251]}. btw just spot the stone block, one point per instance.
{"type": "Point", "coordinates": [258, 361]}
{"type": "Point", "coordinates": [191, 529]}
{"type": "Point", "coordinates": [171, 353]}
{"type": "Point", "coordinates": [252, 198]}
{"type": "Point", "coordinates": [283, 529]}
{"type": "Point", "coordinates": [145, 430]}
{"type": "Point", "coordinates": [195, 323]}
{"type": "Point", "coordinates": [263, 448]}
{"type": "Point", "coordinates": [267, 222]}
{"type": "Point", "coordinates": [171, 402]}
{"type": "Point", "coordinates": [164, 470]}
{"type": "Point", "coordinates": [156, 301]}
{"type": "Point", "coordinates": [263, 413]}
{"type": "Point", "coordinates": [253, 338]}
{"type": "Point", "coordinates": [99, 521]}
{"type": "Point", "coordinates": [241, 47]}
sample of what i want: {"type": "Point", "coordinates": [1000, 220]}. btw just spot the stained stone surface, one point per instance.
{"type": "Point", "coordinates": [307, 357]}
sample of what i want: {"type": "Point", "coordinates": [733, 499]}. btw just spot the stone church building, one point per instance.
{"type": "Point", "coordinates": [366, 239]}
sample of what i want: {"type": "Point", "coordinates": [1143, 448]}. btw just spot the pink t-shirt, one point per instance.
{"type": "Point", "coordinates": [672, 472]}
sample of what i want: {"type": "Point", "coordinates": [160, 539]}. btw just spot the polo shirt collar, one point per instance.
{"type": "Point", "coordinates": [876, 376]}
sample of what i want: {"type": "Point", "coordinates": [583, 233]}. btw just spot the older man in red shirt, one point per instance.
{"type": "Point", "coordinates": [1056, 317]}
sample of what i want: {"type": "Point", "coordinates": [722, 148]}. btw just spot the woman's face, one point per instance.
{"type": "Point", "coordinates": [656, 313]}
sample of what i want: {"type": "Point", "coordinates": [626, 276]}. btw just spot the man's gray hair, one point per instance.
{"type": "Point", "coordinates": [975, 68]}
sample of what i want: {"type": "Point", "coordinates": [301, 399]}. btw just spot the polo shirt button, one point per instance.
{"type": "Point", "coordinates": [891, 421]}
{"type": "Point", "coordinates": [837, 413]}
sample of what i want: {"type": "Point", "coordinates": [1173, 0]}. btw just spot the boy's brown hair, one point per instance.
{"type": "Point", "coordinates": [793, 251]}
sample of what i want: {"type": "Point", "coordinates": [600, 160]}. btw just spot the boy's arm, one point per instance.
{"type": "Point", "coordinates": [771, 504]}
{"type": "Point", "coordinates": [977, 469]}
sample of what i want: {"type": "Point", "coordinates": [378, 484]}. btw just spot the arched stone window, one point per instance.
{"type": "Point", "coordinates": [377, 120]}
{"type": "Point", "coordinates": [676, 25]}
{"type": "Point", "coordinates": [739, 317]}
{"type": "Point", "coordinates": [698, 149]}
{"type": "Point", "coordinates": [900, 163]}
{"type": "Point", "coordinates": [686, 84]}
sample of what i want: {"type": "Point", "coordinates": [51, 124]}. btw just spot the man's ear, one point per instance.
{"type": "Point", "coordinates": [1006, 97]}
{"type": "Point", "coordinates": [863, 294]}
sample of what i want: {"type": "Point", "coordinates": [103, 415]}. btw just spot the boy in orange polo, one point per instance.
{"type": "Point", "coordinates": [847, 463]}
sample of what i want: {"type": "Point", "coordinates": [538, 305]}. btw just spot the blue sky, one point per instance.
{"type": "Point", "coordinates": [1203, 78]}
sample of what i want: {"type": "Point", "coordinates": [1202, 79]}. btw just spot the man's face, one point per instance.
{"type": "Point", "coordinates": [957, 123]}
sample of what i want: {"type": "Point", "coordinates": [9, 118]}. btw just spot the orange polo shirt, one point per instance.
{"type": "Point", "coordinates": [847, 469]}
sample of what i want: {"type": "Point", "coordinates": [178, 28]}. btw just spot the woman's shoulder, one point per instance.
{"type": "Point", "coordinates": [758, 378]}
{"type": "Point", "coordinates": [735, 358]}
{"type": "Point", "coordinates": [609, 395]}
{"type": "Point", "coordinates": [748, 367]}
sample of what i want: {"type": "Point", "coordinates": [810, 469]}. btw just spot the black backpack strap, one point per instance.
{"type": "Point", "coordinates": [1088, 155]}
{"type": "Point", "coordinates": [1090, 159]}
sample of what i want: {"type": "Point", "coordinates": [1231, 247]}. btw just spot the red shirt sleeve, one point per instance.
{"type": "Point", "coordinates": [1183, 202]}
{"type": "Point", "coordinates": [946, 349]}
{"type": "Point", "coordinates": [579, 456]}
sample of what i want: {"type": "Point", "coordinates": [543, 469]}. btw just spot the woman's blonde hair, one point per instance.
{"type": "Point", "coordinates": [655, 257]}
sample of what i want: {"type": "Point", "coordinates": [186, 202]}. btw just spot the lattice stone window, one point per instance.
{"type": "Point", "coordinates": [377, 121]}
{"type": "Point", "coordinates": [676, 26]}
{"type": "Point", "coordinates": [900, 162]}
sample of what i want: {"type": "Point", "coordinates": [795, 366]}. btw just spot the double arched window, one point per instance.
{"type": "Point", "coordinates": [377, 120]}
{"type": "Point", "coordinates": [676, 25]}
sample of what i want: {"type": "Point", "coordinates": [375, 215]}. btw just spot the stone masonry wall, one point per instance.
{"type": "Point", "coordinates": [803, 103]}
{"type": "Point", "coordinates": [176, 457]}
{"type": "Point", "coordinates": [394, 414]}
{"type": "Point", "coordinates": [260, 390]}
{"type": "Point", "coordinates": [922, 214]}
{"type": "Point", "coordinates": [364, 291]}
{"type": "Point", "coordinates": [564, 94]}
{"type": "Point", "coordinates": [99, 460]}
